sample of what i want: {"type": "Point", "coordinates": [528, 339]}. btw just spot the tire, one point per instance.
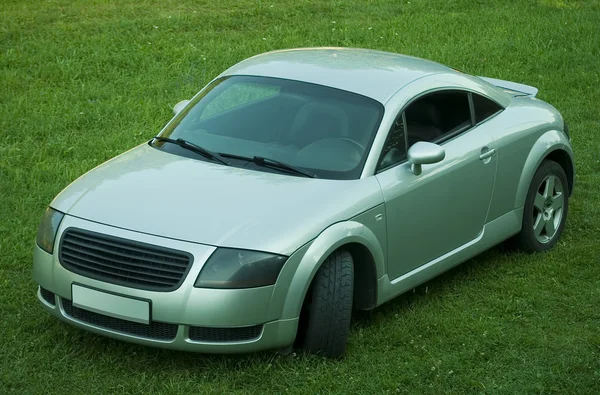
{"type": "Point", "coordinates": [545, 210]}
{"type": "Point", "coordinates": [330, 306]}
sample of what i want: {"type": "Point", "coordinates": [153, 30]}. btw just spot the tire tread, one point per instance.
{"type": "Point", "coordinates": [331, 306]}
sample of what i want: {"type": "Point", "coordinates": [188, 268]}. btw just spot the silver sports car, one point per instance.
{"type": "Point", "coordinates": [296, 187]}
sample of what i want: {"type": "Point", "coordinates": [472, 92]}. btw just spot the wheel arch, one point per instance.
{"type": "Point", "coordinates": [365, 276]}
{"type": "Point", "coordinates": [561, 157]}
{"type": "Point", "coordinates": [552, 145]}
{"type": "Point", "coordinates": [367, 255]}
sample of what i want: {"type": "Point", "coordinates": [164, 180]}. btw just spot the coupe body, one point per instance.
{"type": "Point", "coordinates": [298, 186]}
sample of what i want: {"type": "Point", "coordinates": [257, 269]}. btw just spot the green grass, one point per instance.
{"type": "Point", "coordinates": [82, 81]}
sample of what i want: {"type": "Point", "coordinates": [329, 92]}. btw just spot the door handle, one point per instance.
{"type": "Point", "coordinates": [487, 154]}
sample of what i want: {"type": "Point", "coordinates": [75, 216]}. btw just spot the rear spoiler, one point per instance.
{"type": "Point", "coordinates": [512, 88]}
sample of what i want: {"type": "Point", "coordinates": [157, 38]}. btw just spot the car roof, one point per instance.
{"type": "Point", "coordinates": [376, 74]}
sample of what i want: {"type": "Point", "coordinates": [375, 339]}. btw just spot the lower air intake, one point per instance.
{"type": "Point", "coordinates": [48, 296]}
{"type": "Point", "coordinates": [153, 331]}
{"type": "Point", "coordinates": [224, 335]}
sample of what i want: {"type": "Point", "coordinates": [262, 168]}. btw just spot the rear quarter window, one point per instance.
{"type": "Point", "coordinates": [484, 108]}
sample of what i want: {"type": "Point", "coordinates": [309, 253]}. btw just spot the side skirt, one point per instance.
{"type": "Point", "coordinates": [493, 233]}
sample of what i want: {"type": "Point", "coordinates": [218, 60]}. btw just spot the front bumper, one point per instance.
{"type": "Point", "coordinates": [188, 318]}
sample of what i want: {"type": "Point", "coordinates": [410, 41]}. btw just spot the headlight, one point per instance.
{"type": "Point", "coordinates": [47, 230]}
{"type": "Point", "coordinates": [229, 268]}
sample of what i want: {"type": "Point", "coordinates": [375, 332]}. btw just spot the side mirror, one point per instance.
{"type": "Point", "coordinates": [423, 153]}
{"type": "Point", "coordinates": [179, 106]}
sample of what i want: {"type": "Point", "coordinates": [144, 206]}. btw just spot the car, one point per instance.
{"type": "Point", "coordinates": [299, 186]}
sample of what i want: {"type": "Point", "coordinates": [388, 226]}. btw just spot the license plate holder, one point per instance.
{"type": "Point", "coordinates": [110, 304]}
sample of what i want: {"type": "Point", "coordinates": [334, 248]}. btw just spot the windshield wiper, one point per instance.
{"type": "Point", "coordinates": [271, 163]}
{"type": "Point", "coordinates": [195, 148]}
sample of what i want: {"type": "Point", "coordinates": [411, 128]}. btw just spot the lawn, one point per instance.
{"type": "Point", "coordinates": [82, 81]}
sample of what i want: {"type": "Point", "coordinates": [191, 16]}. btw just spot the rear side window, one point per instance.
{"type": "Point", "coordinates": [484, 108]}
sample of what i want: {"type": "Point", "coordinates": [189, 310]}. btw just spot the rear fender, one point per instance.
{"type": "Point", "coordinates": [549, 142]}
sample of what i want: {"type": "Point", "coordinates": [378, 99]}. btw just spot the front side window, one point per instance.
{"type": "Point", "coordinates": [435, 117]}
{"type": "Point", "coordinates": [394, 148]}
{"type": "Point", "coordinates": [323, 130]}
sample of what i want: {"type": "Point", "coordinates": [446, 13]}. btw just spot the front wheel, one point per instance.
{"type": "Point", "coordinates": [546, 208]}
{"type": "Point", "coordinates": [330, 306]}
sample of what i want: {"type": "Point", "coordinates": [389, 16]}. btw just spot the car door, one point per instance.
{"type": "Point", "coordinates": [444, 207]}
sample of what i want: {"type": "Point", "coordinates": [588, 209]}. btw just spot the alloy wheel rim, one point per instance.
{"type": "Point", "coordinates": [548, 208]}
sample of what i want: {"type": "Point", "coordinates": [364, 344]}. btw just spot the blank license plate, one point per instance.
{"type": "Point", "coordinates": [112, 305]}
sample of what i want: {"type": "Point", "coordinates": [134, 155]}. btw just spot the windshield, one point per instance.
{"type": "Point", "coordinates": [323, 130]}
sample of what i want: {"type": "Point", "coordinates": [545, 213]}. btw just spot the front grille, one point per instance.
{"type": "Point", "coordinates": [154, 330]}
{"type": "Point", "coordinates": [123, 262]}
{"type": "Point", "coordinates": [48, 296]}
{"type": "Point", "coordinates": [205, 334]}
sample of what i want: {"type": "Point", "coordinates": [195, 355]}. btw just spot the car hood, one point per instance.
{"type": "Point", "coordinates": [158, 193]}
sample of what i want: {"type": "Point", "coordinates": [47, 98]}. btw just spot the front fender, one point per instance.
{"type": "Point", "coordinates": [550, 141]}
{"type": "Point", "coordinates": [297, 274]}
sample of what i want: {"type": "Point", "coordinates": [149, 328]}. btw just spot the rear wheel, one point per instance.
{"type": "Point", "coordinates": [546, 208]}
{"type": "Point", "coordinates": [330, 306]}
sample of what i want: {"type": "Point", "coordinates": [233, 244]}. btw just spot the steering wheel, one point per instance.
{"type": "Point", "coordinates": [356, 144]}
{"type": "Point", "coordinates": [332, 152]}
